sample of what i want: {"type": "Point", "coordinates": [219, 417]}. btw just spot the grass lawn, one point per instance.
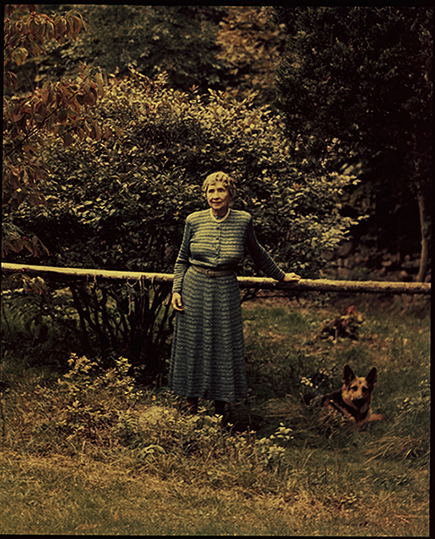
{"type": "Point", "coordinates": [91, 453]}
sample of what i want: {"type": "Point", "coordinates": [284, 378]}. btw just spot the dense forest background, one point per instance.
{"type": "Point", "coordinates": [349, 90]}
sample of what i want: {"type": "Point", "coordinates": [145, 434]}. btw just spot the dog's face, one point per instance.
{"type": "Point", "coordinates": [357, 390]}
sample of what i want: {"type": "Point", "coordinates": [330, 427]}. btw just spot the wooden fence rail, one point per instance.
{"type": "Point", "coordinates": [319, 285]}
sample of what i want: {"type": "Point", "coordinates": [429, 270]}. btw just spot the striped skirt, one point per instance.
{"type": "Point", "coordinates": [208, 358]}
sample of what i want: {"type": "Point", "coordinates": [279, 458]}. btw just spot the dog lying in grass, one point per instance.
{"type": "Point", "coordinates": [353, 400]}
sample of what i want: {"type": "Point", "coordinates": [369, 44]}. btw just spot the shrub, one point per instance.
{"type": "Point", "coordinates": [121, 203]}
{"type": "Point", "coordinates": [86, 404]}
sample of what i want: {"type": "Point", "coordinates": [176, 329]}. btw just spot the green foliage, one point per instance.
{"type": "Point", "coordinates": [250, 46]}
{"type": "Point", "coordinates": [356, 84]}
{"type": "Point", "coordinates": [43, 324]}
{"type": "Point", "coordinates": [56, 109]}
{"type": "Point", "coordinates": [37, 320]}
{"type": "Point", "coordinates": [129, 318]}
{"type": "Point", "coordinates": [121, 203]}
{"type": "Point", "coordinates": [178, 40]}
{"type": "Point", "coordinates": [221, 47]}
{"type": "Point", "coordinates": [359, 74]}
{"type": "Point", "coordinates": [72, 412]}
{"type": "Point", "coordinates": [91, 405]}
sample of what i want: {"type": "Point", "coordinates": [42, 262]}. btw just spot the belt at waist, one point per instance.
{"type": "Point", "coordinates": [212, 272]}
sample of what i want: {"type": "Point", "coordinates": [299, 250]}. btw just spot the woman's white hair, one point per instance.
{"type": "Point", "coordinates": [220, 176]}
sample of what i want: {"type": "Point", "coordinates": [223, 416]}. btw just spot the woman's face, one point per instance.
{"type": "Point", "coordinates": [218, 198]}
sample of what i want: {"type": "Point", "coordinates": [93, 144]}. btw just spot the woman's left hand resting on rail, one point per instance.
{"type": "Point", "coordinates": [291, 277]}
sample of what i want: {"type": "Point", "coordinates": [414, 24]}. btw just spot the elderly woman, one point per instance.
{"type": "Point", "coordinates": [208, 348]}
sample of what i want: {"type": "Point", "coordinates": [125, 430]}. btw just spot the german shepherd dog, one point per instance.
{"type": "Point", "coordinates": [353, 400]}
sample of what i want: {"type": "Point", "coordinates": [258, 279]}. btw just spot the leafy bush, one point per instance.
{"type": "Point", "coordinates": [121, 203]}
{"type": "Point", "coordinates": [73, 412]}
{"type": "Point", "coordinates": [37, 320]}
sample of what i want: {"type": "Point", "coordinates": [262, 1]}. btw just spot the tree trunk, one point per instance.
{"type": "Point", "coordinates": [424, 256]}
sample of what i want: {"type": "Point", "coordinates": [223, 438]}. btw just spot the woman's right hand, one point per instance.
{"type": "Point", "coordinates": [176, 302]}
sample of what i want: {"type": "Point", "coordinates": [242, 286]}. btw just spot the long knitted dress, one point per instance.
{"type": "Point", "coordinates": [207, 358]}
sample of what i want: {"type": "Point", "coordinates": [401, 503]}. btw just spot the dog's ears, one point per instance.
{"type": "Point", "coordinates": [348, 375]}
{"type": "Point", "coordinates": [372, 377]}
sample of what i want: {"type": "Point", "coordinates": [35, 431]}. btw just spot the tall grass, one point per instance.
{"type": "Point", "coordinates": [91, 452]}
